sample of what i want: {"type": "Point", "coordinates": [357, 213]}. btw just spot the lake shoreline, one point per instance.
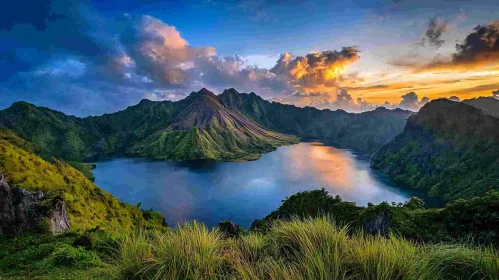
{"type": "Point", "coordinates": [211, 191]}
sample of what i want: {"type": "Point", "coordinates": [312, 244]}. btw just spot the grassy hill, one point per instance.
{"type": "Point", "coordinates": [88, 205]}
{"type": "Point", "coordinates": [311, 243]}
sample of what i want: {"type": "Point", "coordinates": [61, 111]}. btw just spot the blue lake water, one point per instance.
{"type": "Point", "coordinates": [210, 191]}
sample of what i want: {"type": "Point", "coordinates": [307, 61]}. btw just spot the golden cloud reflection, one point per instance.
{"type": "Point", "coordinates": [332, 166]}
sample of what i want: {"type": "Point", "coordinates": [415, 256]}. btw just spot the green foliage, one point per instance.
{"type": "Point", "coordinates": [85, 168]}
{"type": "Point", "coordinates": [448, 148]}
{"type": "Point", "coordinates": [187, 252]}
{"type": "Point", "coordinates": [313, 204]}
{"type": "Point", "coordinates": [471, 220]}
{"type": "Point", "coordinates": [67, 255]}
{"type": "Point", "coordinates": [146, 130]}
{"type": "Point", "coordinates": [363, 132]}
{"type": "Point", "coordinates": [36, 256]}
{"type": "Point", "coordinates": [314, 248]}
{"type": "Point", "coordinates": [88, 205]}
{"type": "Point", "coordinates": [85, 241]}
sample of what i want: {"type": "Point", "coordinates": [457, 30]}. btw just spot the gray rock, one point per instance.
{"type": "Point", "coordinates": [21, 210]}
{"type": "Point", "coordinates": [379, 224]}
{"type": "Point", "coordinates": [59, 218]}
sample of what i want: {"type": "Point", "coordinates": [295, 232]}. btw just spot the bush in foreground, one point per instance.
{"type": "Point", "coordinates": [299, 249]}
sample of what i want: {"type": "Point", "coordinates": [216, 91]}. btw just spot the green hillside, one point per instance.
{"type": "Point", "coordinates": [231, 126]}
{"type": "Point", "coordinates": [362, 132]}
{"type": "Point", "coordinates": [207, 130]}
{"type": "Point", "coordinates": [88, 205]}
{"type": "Point", "coordinates": [449, 148]}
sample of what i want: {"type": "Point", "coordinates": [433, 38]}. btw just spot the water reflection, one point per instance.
{"type": "Point", "coordinates": [211, 191]}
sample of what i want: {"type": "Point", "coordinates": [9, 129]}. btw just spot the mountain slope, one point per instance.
{"type": "Point", "coordinates": [363, 132]}
{"type": "Point", "coordinates": [489, 105]}
{"type": "Point", "coordinates": [52, 133]}
{"type": "Point", "coordinates": [205, 129]}
{"type": "Point", "coordinates": [449, 148]}
{"type": "Point", "coordinates": [88, 205]}
{"type": "Point", "coordinates": [231, 126]}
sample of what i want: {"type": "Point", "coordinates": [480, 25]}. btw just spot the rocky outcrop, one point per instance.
{"type": "Point", "coordinates": [379, 224]}
{"type": "Point", "coordinates": [22, 210]}
{"type": "Point", "coordinates": [229, 229]}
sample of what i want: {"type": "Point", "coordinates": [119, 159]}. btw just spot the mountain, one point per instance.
{"type": "Point", "coordinates": [362, 132]}
{"type": "Point", "coordinates": [489, 105]}
{"type": "Point", "coordinates": [207, 129]}
{"type": "Point", "coordinates": [231, 126]}
{"type": "Point", "coordinates": [448, 148]}
{"type": "Point", "coordinates": [52, 133]}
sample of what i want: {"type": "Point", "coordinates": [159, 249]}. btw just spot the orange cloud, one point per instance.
{"type": "Point", "coordinates": [317, 71]}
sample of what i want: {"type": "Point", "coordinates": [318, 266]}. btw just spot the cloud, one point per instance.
{"type": "Point", "coordinates": [433, 33]}
{"type": "Point", "coordinates": [495, 94]}
{"type": "Point", "coordinates": [455, 98]}
{"type": "Point", "coordinates": [315, 71]}
{"type": "Point", "coordinates": [479, 48]}
{"type": "Point", "coordinates": [410, 101]}
{"type": "Point", "coordinates": [68, 56]}
{"type": "Point", "coordinates": [158, 95]}
{"type": "Point", "coordinates": [342, 100]}
{"type": "Point", "coordinates": [159, 51]}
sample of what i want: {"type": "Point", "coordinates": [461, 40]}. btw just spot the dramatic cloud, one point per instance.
{"type": "Point", "coordinates": [68, 56]}
{"type": "Point", "coordinates": [434, 33]}
{"type": "Point", "coordinates": [317, 71]}
{"type": "Point", "coordinates": [159, 52]}
{"type": "Point", "coordinates": [410, 101]}
{"type": "Point", "coordinates": [480, 48]}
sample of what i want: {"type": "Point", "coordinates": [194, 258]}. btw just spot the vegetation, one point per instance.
{"type": "Point", "coordinates": [88, 205]}
{"type": "Point", "coordinates": [469, 221]}
{"type": "Point", "coordinates": [363, 132]}
{"type": "Point", "coordinates": [238, 129]}
{"type": "Point", "coordinates": [448, 148]}
{"type": "Point", "coordinates": [37, 256]}
{"type": "Point", "coordinates": [312, 248]}
{"type": "Point", "coordinates": [299, 249]}
{"type": "Point", "coordinates": [311, 236]}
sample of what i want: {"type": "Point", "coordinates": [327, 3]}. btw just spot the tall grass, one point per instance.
{"type": "Point", "coordinates": [298, 249]}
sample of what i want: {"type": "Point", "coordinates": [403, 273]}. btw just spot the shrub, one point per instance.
{"type": "Point", "coordinates": [85, 241]}
{"type": "Point", "coordinates": [67, 255]}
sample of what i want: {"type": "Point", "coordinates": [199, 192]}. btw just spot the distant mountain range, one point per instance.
{"type": "Point", "coordinates": [231, 126]}
{"type": "Point", "coordinates": [449, 148]}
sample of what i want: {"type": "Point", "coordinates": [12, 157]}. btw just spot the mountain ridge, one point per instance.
{"type": "Point", "coordinates": [231, 114]}
{"type": "Point", "coordinates": [449, 148]}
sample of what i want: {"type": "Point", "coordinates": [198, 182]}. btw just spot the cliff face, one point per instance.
{"type": "Point", "coordinates": [21, 210]}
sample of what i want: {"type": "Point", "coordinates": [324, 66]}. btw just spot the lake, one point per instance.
{"type": "Point", "coordinates": [210, 191]}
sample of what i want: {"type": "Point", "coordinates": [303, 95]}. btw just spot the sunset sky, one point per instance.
{"type": "Point", "coordinates": [92, 57]}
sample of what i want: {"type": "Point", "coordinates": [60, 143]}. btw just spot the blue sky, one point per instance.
{"type": "Point", "coordinates": [92, 57]}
